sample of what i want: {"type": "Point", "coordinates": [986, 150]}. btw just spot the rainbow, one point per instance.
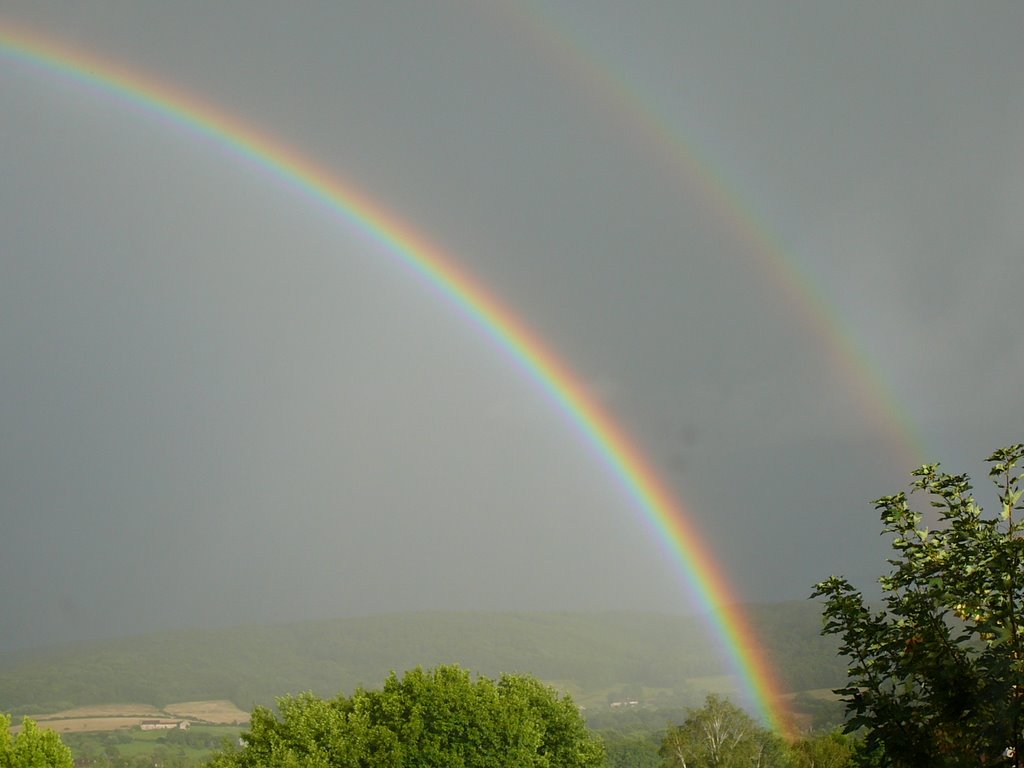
{"type": "Point", "coordinates": [668, 517]}
{"type": "Point", "coordinates": [675, 153]}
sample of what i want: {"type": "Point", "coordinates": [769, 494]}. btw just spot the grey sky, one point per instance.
{"type": "Point", "coordinates": [219, 405]}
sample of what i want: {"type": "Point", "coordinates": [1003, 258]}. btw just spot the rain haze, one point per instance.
{"type": "Point", "coordinates": [781, 243]}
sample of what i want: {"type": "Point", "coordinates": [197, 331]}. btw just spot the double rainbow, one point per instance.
{"type": "Point", "coordinates": [665, 514]}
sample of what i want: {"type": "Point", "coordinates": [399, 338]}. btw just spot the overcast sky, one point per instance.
{"type": "Point", "coordinates": [219, 404]}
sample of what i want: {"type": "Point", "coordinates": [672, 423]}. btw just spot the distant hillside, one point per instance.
{"type": "Point", "coordinates": [791, 633]}
{"type": "Point", "coordinates": [591, 655]}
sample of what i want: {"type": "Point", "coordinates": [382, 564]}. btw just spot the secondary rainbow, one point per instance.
{"type": "Point", "coordinates": [661, 510]}
{"type": "Point", "coordinates": [680, 156]}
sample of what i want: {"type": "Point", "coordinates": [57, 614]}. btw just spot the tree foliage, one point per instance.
{"type": "Point", "coordinates": [936, 674]}
{"type": "Point", "coordinates": [636, 751]}
{"type": "Point", "coordinates": [437, 718]}
{"type": "Point", "coordinates": [32, 747]}
{"type": "Point", "coordinates": [825, 750]}
{"type": "Point", "coordinates": [721, 735]}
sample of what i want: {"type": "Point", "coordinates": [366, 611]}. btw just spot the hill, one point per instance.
{"type": "Point", "coordinates": [596, 657]}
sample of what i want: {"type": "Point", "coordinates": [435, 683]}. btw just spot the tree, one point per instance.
{"type": "Point", "coordinates": [631, 751]}
{"type": "Point", "coordinates": [721, 735]}
{"type": "Point", "coordinates": [824, 750]}
{"type": "Point", "coordinates": [936, 674]}
{"type": "Point", "coordinates": [434, 718]}
{"type": "Point", "coordinates": [32, 747]}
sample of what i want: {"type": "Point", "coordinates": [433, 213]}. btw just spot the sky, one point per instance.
{"type": "Point", "coordinates": [780, 242]}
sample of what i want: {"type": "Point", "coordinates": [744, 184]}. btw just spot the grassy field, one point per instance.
{"type": "Point", "coordinates": [220, 711]}
{"type": "Point", "coordinates": [114, 717]}
{"type": "Point", "coordinates": [189, 748]}
{"type": "Point", "coordinates": [107, 733]}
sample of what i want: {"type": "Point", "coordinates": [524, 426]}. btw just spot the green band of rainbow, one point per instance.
{"type": "Point", "coordinates": [664, 514]}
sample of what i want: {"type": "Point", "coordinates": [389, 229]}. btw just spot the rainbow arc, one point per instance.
{"type": "Point", "coordinates": [301, 175]}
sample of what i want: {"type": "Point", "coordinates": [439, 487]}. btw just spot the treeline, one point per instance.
{"type": "Point", "coordinates": [587, 654]}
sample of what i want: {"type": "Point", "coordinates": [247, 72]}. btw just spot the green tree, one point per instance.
{"type": "Point", "coordinates": [721, 735]}
{"type": "Point", "coordinates": [936, 673]}
{"type": "Point", "coordinates": [33, 747]}
{"type": "Point", "coordinates": [824, 750]}
{"type": "Point", "coordinates": [633, 751]}
{"type": "Point", "coordinates": [436, 718]}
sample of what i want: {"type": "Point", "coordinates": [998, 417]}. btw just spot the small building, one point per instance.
{"type": "Point", "coordinates": [164, 725]}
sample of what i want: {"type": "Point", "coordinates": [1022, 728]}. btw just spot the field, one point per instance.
{"type": "Point", "coordinates": [112, 717]}
{"type": "Point", "coordinates": [133, 746]}
{"type": "Point", "coordinates": [111, 731]}
{"type": "Point", "coordinates": [219, 712]}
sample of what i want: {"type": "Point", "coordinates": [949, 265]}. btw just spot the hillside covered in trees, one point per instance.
{"type": "Point", "coordinates": [597, 657]}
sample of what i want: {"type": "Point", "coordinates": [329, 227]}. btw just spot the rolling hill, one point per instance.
{"type": "Point", "coordinates": [596, 657]}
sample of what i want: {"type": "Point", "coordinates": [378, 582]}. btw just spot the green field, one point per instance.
{"type": "Point", "coordinates": [164, 748]}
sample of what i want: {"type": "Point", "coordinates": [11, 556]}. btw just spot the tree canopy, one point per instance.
{"type": "Point", "coordinates": [32, 747]}
{"type": "Point", "coordinates": [936, 674]}
{"type": "Point", "coordinates": [440, 717]}
{"type": "Point", "coordinates": [721, 735]}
